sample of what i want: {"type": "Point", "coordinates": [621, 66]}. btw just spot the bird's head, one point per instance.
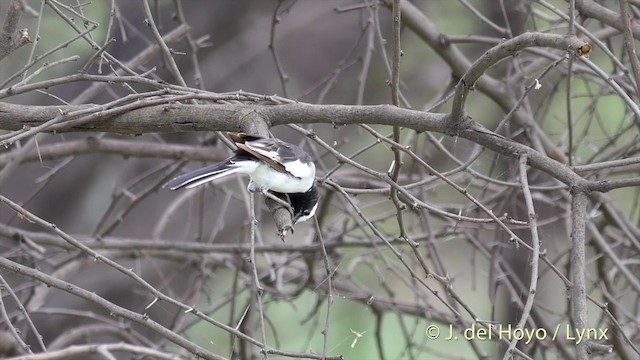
{"type": "Point", "coordinates": [304, 204]}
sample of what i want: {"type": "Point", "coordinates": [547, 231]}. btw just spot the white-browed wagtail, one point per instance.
{"type": "Point", "coordinates": [272, 165]}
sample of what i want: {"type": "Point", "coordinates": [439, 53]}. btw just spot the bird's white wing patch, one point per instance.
{"type": "Point", "coordinates": [284, 157]}
{"type": "Point", "coordinates": [301, 170]}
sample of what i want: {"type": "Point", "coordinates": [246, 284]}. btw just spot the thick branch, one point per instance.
{"type": "Point", "coordinates": [579, 203]}
{"type": "Point", "coordinates": [162, 118]}
{"type": "Point", "coordinates": [180, 117]}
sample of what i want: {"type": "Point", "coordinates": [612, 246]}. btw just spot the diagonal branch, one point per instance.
{"type": "Point", "coordinates": [511, 47]}
{"type": "Point", "coordinates": [11, 37]}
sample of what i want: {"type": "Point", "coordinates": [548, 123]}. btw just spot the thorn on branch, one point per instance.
{"type": "Point", "coordinates": [444, 40]}
{"type": "Point", "coordinates": [175, 52]}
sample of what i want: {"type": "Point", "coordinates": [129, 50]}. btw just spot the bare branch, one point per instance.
{"type": "Point", "coordinates": [571, 43]}
{"type": "Point", "coordinates": [11, 37]}
{"type": "Point", "coordinates": [579, 203]}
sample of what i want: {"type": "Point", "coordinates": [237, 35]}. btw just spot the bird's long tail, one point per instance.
{"type": "Point", "coordinates": [201, 176]}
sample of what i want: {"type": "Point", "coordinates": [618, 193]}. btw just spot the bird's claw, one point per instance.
{"type": "Point", "coordinates": [283, 232]}
{"type": "Point", "coordinates": [252, 186]}
{"type": "Point", "coordinates": [278, 200]}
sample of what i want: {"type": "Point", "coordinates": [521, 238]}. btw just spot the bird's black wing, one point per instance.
{"type": "Point", "coordinates": [279, 155]}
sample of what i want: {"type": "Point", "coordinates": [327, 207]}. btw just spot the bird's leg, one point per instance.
{"type": "Point", "coordinates": [252, 187]}
{"type": "Point", "coordinates": [287, 206]}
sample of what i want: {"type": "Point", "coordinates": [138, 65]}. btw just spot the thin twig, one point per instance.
{"type": "Point", "coordinates": [327, 268]}
{"type": "Point", "coordinates": [12, 329]}
{"type": "Point", "coordinates": [164, 49]}
{"type": "Point", "coordinates": [275, 20]}
{"type": "Point", "coordinates": [258, 290]}
{"type": "Point", "coordinates": [32, 326]}
{"type": "Point", "coordinates": [630, 43]}
{"type": "Point", "coordinates": [535, 253]}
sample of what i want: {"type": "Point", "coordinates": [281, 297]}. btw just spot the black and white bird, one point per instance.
{"type": "Point", "coordinates": [272, 165]}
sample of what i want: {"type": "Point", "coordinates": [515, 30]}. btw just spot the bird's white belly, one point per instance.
{"type": "Point", "coordinates": [264, 177]}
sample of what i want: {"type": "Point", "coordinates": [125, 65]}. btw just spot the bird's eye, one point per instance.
{"type": "Point", "coordinates": [306, 212]}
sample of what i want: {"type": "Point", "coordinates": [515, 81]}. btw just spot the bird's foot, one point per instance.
{"type": "Point", "coordinates": [283, 233]}
{"type": "Point", "coordinates": [252, 187]}
{"type": "Point", "coordinates": [277, 199]}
